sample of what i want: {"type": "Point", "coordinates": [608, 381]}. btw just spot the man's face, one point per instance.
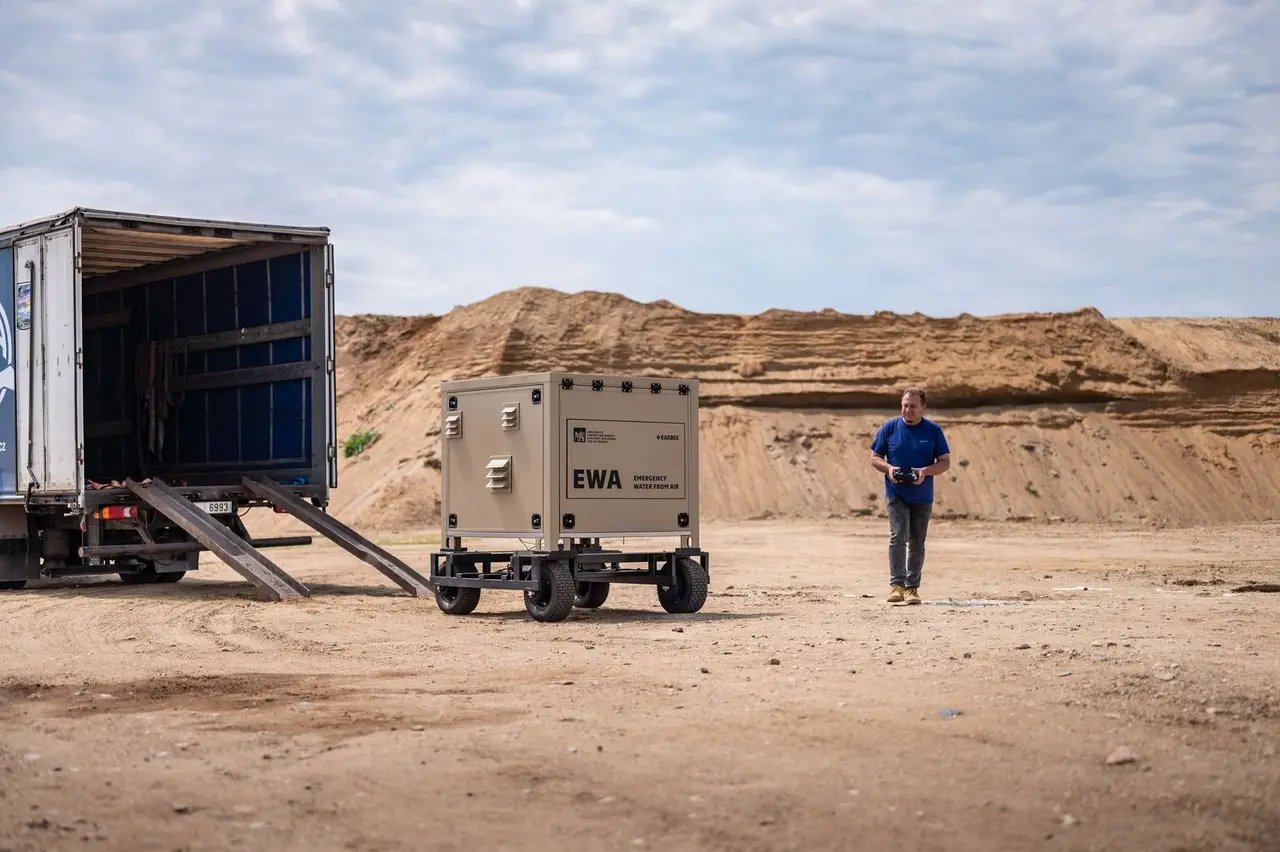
{"type": "Point", "coordinates": [912, 408]}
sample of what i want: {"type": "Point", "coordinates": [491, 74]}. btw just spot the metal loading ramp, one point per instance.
{"type": "Point", "coordinates": [340, 534]}
{"type": "Point", "coordinates": [243, 558]}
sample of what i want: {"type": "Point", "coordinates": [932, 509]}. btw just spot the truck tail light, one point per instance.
{"type": "Point", "coordinates": [116, 513]}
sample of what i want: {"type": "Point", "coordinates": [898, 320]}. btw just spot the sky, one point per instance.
{"type": "Point", "coordinates": [986, 157]}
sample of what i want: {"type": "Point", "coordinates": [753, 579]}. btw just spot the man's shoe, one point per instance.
{"type": "Point", "coordinates": [895, 596]}
{"type": "Point", "coordinates": [912, 596]}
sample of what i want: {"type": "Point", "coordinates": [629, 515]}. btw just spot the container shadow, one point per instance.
{"type": "Point", "coordinates": [628, 616]}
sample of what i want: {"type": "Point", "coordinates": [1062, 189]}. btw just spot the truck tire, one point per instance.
{"type": "Point", "coordinates": [554, 600]}
{"type": "Point", "coordinates": [148, 574]}
{"type": "Point", "coordinates": [12, 585]}
{"type": "Point", "coordinates": [690, 591]}
{"type": "Point", "coordinates": [139, 577]}
{"type": "Point", "coordinates": [591, 595]}
{"type": "Point", "coordinates": [454, 600]}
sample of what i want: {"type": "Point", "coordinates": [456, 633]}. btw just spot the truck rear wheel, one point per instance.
{"type": "Point", "coordinates": [553, 600]}
{"type": "Point", "coordinates": [591, 595]}
{"type": "Point", "coordinates": [454, 600]}
{"type": "Point", "coordinates": [690, 590]}
{"type": "Point", "coordinates": [149, 574]}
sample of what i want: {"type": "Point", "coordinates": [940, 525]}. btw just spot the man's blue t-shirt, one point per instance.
{"type": "Point", "coordinates": [910, 446]}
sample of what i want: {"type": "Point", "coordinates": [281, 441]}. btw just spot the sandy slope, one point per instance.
{"type": "Point", "coordinates": [1069, 416]}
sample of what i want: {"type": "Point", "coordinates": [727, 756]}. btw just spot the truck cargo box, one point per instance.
{"type": "Point", "coordinates": [152, 361]}
{"type": "Point", "coordinates": [140, 346]}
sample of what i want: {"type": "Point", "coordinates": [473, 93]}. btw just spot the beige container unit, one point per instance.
{"type": "Point", "coordinates": [567, 455]}
{"type": "Point", "coordinates": [561, 461]}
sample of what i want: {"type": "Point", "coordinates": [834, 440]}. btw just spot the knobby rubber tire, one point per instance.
{"type": "Point", "coordinates": [690, 590]}
{"type": "Point", "coordinates": [454, 600]}
{"type": "Point", "coordinates": [591, 595]}
{"type": "Point", "coordinates": [554, 600]}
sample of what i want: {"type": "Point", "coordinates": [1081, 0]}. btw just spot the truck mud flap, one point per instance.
{"type": "Point", "coordinates": [242, 557]}
{"type": "Point", "coordinates": [340, 534]}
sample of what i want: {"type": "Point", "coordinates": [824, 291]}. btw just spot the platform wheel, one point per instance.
{"type": "Point", "coordinates": [553, 599]}
{"type": "Point", "coordinates": [690, 590]}
{"type": "Point", "coordinates": [591, 595]}
{"type": "Point", "coordinates": [12, 585]}
{"type": "Point", "coordinates": [455, 600]}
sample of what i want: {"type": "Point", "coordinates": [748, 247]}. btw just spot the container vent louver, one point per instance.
{"type": "Point", "coordinates": [510, 416]}
{"type": "Point", "coordinates": [497, 474]}
{"type": "Point", "coordinates": [453, 425]}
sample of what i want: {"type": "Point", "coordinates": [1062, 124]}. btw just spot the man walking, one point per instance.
{"type": "Point", "coordinates": [909, 451]}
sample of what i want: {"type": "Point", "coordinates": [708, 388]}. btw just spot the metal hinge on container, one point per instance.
{"type": "Point", "coordinates": [453, 425]}
{"type": "Point", "coordinates": [498, 474]}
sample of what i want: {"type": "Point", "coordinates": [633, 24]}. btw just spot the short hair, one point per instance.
{"type": "Point", "coordinates": [924, 398]}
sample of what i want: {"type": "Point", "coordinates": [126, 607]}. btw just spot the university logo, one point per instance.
{"type": "Point", "coordinates": [579, 434]}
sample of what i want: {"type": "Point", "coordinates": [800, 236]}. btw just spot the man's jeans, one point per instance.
{"type": "Point", "coordinates": [908, 524]}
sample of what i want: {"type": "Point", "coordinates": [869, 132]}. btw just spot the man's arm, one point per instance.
{"type": "Point", "coordinates": [942, 465]}
{"type": "Point", "coordinates": [881, 464]}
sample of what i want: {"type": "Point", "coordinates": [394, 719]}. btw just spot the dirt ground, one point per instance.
{"type": "Point", "coordinates": [797, 711]}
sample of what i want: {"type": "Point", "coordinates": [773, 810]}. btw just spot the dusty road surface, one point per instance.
{"type": "Point", "coordinates": [797, 711]}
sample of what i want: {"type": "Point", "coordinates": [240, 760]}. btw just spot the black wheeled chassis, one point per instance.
{"type": "Point", "coordinates": [454, 566]}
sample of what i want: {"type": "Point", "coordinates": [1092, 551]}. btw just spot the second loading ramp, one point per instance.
{"type": "Point", "coordinates": [245, 559]}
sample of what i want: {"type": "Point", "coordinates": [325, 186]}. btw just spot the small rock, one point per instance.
{"type": "Point", "coordinates": [180, 808]}
{"type": "Point", "coordinates": [1023, 647]}
{"type": "Point", "coordinates": [418, 728]}
{"type": "Point", "coordinates": [968, 655]}
{"type": "Point", "coordinates": [774, 661]}
{"type": "Point", "coordinates": [677, 630]}
{"type": "Point", "coordinates": [1120, 756]}
{"type": "Point", "coordinates": [705, 670]}
{"type": "Point", "coordinates": [1068, 820]}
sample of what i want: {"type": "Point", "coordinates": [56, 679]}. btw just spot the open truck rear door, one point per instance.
{"type": "Point", "coordinates": [47, 329]}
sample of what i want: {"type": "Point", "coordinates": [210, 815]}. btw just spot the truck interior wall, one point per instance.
{"type": "Point", "coordinates": [141, 342]}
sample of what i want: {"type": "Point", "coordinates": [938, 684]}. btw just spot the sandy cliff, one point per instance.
{"type": "Point", "coordinates": [1069, 415]}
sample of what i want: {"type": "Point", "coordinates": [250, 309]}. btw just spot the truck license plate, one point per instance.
{"type": "Point", "coordinates": [215, 507]}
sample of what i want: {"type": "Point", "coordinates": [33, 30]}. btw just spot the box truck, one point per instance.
{"type": "Point", "coordinates": [159, 376]}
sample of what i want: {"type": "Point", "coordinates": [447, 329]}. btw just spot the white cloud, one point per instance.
{"type": "Point", "coordinates": [724, 154]}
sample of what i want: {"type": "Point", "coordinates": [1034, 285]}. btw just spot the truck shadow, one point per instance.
{"type": "Point", "coordinates": [191, 588]}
